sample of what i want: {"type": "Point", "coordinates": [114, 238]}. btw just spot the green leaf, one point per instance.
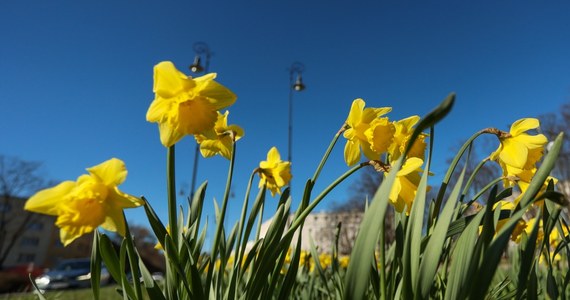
{"type": "Point", "coordinates": [154, 221]}
{"type": "Point", "coordinates": [493, 255]}
{"type": "Point", "coordinates": [318, 265]}
{"type": "Point", "coordinates": [362, 257]}
{"type": "Point", "coordinates": [196, 205]}
{"type": "Point", "coordinates": [431, 258]}
{"type": "Point", "coordinates": [133, 261]}
{"type": "Point", "coordinates": [413, 238]}
{"type": "Point", "coordinates": [109, 256]}
{"type": "Point", "coordinates": [95, 266]}
{"type": "Point", "coordinates": [152, 289]}
{"type": "Point", "coordinates": [124, 281]}
{"type": "Point", "coordinates": [461, 259]}
{"type": "Point", "coordinates": [193, 273]}
{"type": "Point", "coordinates": [175, 273]}
{"type": "Point", "coordinates": [527, 259]}
{"type": "Point", "coordinates": [289, 281]}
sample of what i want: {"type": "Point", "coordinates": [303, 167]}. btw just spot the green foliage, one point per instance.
{"type": "Point", "coordinates": [462, 248]}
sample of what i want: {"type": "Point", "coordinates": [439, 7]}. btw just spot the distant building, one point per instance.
{"type": "Point", "coordinates": [321, 227]}
{"type": "Point", "coordinates": [34, 238]}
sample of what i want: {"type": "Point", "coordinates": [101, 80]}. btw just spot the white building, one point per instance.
{"type": "Point", "coordinates": [321, 227]}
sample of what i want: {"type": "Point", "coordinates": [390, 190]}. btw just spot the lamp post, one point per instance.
{"type": "Point", "coordinates": [201, 49]}
{"type": "Point", "coordinates": [294, 86]}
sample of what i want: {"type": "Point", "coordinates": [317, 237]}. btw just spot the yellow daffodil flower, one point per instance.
{"type": "Point", "coordinates": [359, 121]}
{"type": "Point", "coordinates": [274, 172]}
{"type": "Point", "coordinates": [519, 151]}
{"type": "Point", "coordinates": [521, 226]}
{"type": "Point", "coordinates": [219, 140]}
{"type": "Point", "coordinates": [94, 200]}
{"type": "Point", "coordinates": [325, 260]}
{"type": "Point", "coordinates": [380, 135]}
{"type": "Point", "coordinates": [525, 178]}
{"type": "Point", "coordinates": [185, 105]}
{"type": "Point", "coordinates": [554, 238]}
{"type": "Point", "coordinates": [343, 261]}
{"type": "Point", "coordinates": [406, 184]}
{"type": "Point", "coordinates": [403, 131]}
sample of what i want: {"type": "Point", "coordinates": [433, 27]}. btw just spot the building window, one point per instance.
{"type": "Point", "coordinates": [29, 241]}
{"type": "Point", "coordinates": [5, 207]}
{"type": "Point", "coordinates": [26, 257]}
{"type": "Point", "coordinates": [35, 226]}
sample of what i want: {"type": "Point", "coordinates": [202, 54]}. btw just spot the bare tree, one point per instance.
{"type": "Point", "coordinates": [551, 125]}
{"type": "Point", "coordinates": [145, 242]}
{"type": "Point", "coordinates": [18, 180]}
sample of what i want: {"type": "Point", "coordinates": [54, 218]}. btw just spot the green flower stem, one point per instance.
{"type": "Point", "coordinates": [171, 190]}
{"type": "Point", "coordinates": [470, 181]}
{"type": "Point", "coordinates": [472, 177]}
{"type": "Point", "coordinates": [133, 261]}
{"type": "Point", "coordinates": [238, 260]}
{"type": "Point", "coordinates": [300, 219]}
{"type": "Point", "coordinates": [449, 173]}
{"type": "Point", "coordinates": [327, 153]}
{"type": "Point", "coordinates": [481, 192]}
{"type": "Point", "coordinates": [310, 183]}
{"type": "Point", "coordinates": [220, 225]}
{"type": "Point", "coordinates": [259, 221]}
{"type": "Point", "coordinates": [382, 267]}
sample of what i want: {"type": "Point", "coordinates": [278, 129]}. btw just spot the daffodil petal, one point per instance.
{"type": "Point", "coordinates": [158, 110]}
{"type": "Point", "coordinates": [523, 125]}
{"type": "Point", "coordinates": [532, 141]}
{"type": "Point", "coordinates": [67, 237]}
{"type": "Point", "coordinates": [48, 200]}
{"type": "Point", "coordinates": [168, 81]}
{"type": "Point", "coordinates": [410, 165]}
{"type": "Point", "coordinates": [273, 155]}
{"type": "Point", "coordinates": [115, 221]}
{"type": "Point", "coordinates": [495, 155]}
{"type": "Point", "coordinates": [209, 148]}
{"type": "Point", "coordinates": [409, 122]}
{"type": "Point", "coordinates": [111, 172]}
{"type": "Point", "coordinates": [514, 153]}
{"type": "Point", "coordinates": [120, 200]}
{"type": "Point", "coordinates": [218, 95]}
{"type": "Point", "coordinates": [168, 135]}
{"type": "Point", "coordinates": [371, 113]}
{"type": "Point", "coordinates": [407, 192]}
{"type": "Point", "coordinates": [238, 131]}
{"type": "Point", "coordinates": [368, 115]}
{"type": "Point", "coordinates": [355, 114]}
{"type": "Point", "coordinates": [351, 153]}
{"type": "Point", "coordinates": [368, 152]}
{"type": "Point", "coordinates": [394, 192]}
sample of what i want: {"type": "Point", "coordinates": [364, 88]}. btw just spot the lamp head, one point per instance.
{"type": "Point", "coordinates": [196, 67]}
{"type": "Point", "coordinates": [299, 86]}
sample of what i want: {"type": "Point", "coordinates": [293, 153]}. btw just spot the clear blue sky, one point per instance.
{"type": "Point", "coordinates": [76, 78]}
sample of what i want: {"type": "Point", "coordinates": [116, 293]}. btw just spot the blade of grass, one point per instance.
{"type": "Point", "coordinates": [493, 255]}
{"type": "Point", "coordinates": [95, 266]}
{"type": "Point", "coordinates": [431, 259]}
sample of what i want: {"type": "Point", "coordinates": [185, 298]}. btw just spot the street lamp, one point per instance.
{"type": "Point", "coordinates": [296, 69]}
{"type": "Point", "coordinates": [201, 49]}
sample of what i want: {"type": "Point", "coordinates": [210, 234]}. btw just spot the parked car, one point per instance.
{"type": "Point", "coordinates": [70, 273]}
